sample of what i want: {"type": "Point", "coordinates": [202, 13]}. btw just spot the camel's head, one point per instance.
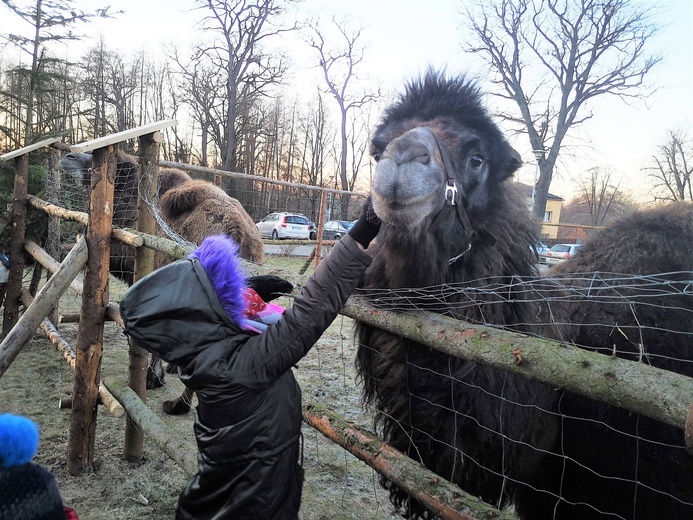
{"type": "Point", "coordinates": [437, 137]}
{"type": "Point", "coordinates": [78, 165]}
{"type": "Point", "coordinates": [170, 178]}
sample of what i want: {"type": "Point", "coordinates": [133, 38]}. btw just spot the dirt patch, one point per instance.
{"type": "Point", "coordinates": [337, 484]}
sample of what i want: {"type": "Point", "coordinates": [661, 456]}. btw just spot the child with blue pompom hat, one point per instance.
{"type": "Point", "coordinates": [27, 491]}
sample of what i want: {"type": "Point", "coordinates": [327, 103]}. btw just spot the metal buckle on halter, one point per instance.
{"type": "Point", "coordinates": [451, 191]}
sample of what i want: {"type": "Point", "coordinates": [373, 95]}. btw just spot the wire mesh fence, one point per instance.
{"type": "Point", "coordinates": [478, 424]}
{"type": "Point", "coordinates": [337, 485]}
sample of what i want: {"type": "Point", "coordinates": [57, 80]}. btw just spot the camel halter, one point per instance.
{"type": "Point", "coordinates": [454, 199]}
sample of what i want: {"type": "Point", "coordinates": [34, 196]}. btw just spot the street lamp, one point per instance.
{"type": "Point", "coordinates": [538, 154]}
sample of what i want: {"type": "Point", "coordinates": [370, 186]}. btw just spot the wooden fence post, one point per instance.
{"type": "Point", "coordinates": [14, 282]}
{"type": "Point", "coordinates": [19, 210]}
{"type": "Point", "coordinates": [133, 448]}
{"type": "Point", "coordinates": [320, 227]}
{"type": "Point", "coordinates": [93, 312]}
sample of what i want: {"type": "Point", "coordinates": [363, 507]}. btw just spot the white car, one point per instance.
{"type": "Point", "coordinates": [559, 253]}
{"type": "Point", "coordinates": [281, 225]}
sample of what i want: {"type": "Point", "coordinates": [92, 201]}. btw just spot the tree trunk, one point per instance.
{"type": "Point", "coordinates": [542, 188]}
{"type": "Point", "coordinates": [445, 499]}
{"type": "Point", "coordinates": [133, 450]}
{"type": "Point", "coordinates": [659, 394]}
{"type": "Point", "coordinates": [14, 282]}
{"type": "Point", "coordinates": [181, 452]}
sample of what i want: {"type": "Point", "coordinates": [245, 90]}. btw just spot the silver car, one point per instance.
{"type": "Point", "coordinates": [281, 225]}
{"type": "Point", "coordinates": [336, 229]}
{"type": "Point", "coordinates": [559, 253]}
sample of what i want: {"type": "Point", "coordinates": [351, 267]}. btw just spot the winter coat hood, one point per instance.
{"type": "Point", "coordinates": [181, 309]}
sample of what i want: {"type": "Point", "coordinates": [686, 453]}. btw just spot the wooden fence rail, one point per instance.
{"type": "Point", "coordinates": [653, 392]}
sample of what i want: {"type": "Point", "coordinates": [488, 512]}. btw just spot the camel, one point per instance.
{"type": "Point", "coordinates": [125, 194]}
{"type": "Point", "coordinates": [453, 220]}
{"type": "Point", "coordinates": [195, 209]}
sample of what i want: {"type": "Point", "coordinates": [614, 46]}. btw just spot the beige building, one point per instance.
{"type": "Point", "coordinates": [552, 215]}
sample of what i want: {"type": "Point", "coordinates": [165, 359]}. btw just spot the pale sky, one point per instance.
{"type": "Point", "coordinates": [403, 38]}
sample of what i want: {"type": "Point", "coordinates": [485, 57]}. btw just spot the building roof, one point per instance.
{"type": "Point", "coordinates": [526, 190]}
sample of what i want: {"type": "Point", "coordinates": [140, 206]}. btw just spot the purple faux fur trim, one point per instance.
{"type": "Point", "coordinates": [218, 254]}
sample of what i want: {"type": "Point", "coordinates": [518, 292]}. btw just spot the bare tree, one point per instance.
{"type": "Point", "coordinates": [579, 209]}
{"type": "Point", "coordinates": [672, 170]}
{"type": "Point", "coordinates": [339, 67]}
{"type": "Point", "coordinates": [201, 91]}
{"type": "Point", "coordinates": [551, 57]}
{"type": "Point", "coordinates": [317, 133]}
{"type": "Point", "coordinates": [112, 86]}
{"type": "Point", "coordinates": [598, 195]}
{"type": "Point", "coordinates": [238, 29]}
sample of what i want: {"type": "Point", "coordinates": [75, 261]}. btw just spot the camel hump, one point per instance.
{"type": "Point", "coordinates": [185, 197]}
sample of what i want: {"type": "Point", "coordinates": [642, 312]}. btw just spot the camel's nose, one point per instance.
{"type": "Point", "coordinates": [408, 148]}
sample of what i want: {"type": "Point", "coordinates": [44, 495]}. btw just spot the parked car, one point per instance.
{"type": "Point", "coordinates": [542, 250]}
{"type": "Point", "coordinates": [561, 252]}
{"type": "Point", "coordinates": [336, 229]}
{"type": "Point", "coordinates": [313, 231]}
{"type": "Point", "coordinates": [281, 225]}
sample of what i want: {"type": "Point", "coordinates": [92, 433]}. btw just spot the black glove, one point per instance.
{"type": "Point", "coordinates": [367, 226]}
{"type": "Point", "coordinates": [269, 286]}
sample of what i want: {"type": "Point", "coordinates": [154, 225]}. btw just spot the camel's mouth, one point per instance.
{"type": "Point", "coordinates": [408, 212]}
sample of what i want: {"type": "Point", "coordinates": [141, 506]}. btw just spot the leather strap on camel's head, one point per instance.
{"type": "Point", "coordinates": [454, 199]}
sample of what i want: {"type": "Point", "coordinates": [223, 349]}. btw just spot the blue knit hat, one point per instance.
{"type": "Point", "coordinates": [27, 490]}
{"type": "Point", "coordinates": [19, 438]}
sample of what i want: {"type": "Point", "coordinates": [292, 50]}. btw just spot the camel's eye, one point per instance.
{"type": "Point", "coordinates": [376, 156]}
{"type": "Point", "coordinates": [476, 161]}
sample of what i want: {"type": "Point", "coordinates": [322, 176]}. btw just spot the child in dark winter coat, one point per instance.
{"type": "Point", "coordinates": [194, 313]}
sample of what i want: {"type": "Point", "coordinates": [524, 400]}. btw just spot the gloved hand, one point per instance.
{"type": "Point", "coordinates": [269, 286]}
{"type": "Point", "coordinates": [367, 226]}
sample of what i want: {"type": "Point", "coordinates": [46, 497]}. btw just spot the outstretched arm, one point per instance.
{"type": "Point", "coordinates": [282, 345]}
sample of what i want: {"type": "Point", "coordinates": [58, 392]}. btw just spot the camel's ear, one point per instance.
{"type": "Point", "coordinates": [510, 161]}
{"type": "Point", "coordinates": [515, 160]}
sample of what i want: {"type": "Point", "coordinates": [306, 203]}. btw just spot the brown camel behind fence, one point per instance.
{"type": "Point", "coordinates": [453, 226]}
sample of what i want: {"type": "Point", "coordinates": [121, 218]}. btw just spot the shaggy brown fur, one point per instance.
{"type": "Point", "coordinates": [195, 209]}
{"type": "Point", "coordinates": [606, 448]}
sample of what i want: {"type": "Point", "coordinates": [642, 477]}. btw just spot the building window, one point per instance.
{"type": "Point", "coordinates": [548, 216]}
